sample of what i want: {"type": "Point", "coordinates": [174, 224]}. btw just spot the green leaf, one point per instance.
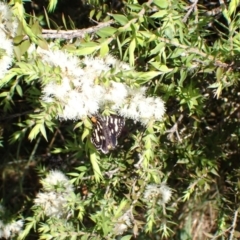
{"type": "Point", "coordinates": [4, 94]}
{"type": "Point", "coordinates": [46, 17]}
{"type": "Point", "coordinates": [36, 28]}
{"type": "Point", "coordinates": [43, 44]}
{"type": "Point", "coordinates": [119, 47]}
{"type": "Point", "coordinates": [219, 73]}
{"type": "Point", "coordinates": [161, 67]}
{"type": "Point", "coordinates": [35, 131]}
{"type": "Point", "coordinates": [52, 5]}
{"type": "Point", "coordinates": [233, 6]}
{"type": "Point", "coordinates": [64, 21]}
{"type": "Point", "coordinates": [19, 90]}
{"type": "Point", "coordinates": [95, 164]}
{"type": "Point", "coordinates": [120, 19]}
{"type": "Point", "coordinates": [106, 32]}
{"type": "Point", "coordinates": [104, 50]}
{"type": "Point", "coordinates": [71, 22]}
{"type": "Point", "coordinates": [135, 7]}
{"type": "Point", "coordinates": [127, 237]}
{"type": "Point", "coordinates": [86, 133]}
{"type": "Point", "coordinates": [149, 75]}
{"type": "Point", "coordinates": [161, 3]}
{"type": "Point", "coordinates": [7, 78]}
{"type": "Point", "coordinates": [132, 47]}
{"type": "Point", "coordinates": [99, 15]}
{"type": "Point", "coordinates": [159, 14]}
{"type": "Point", "coordinates": [43, 131]}
{"type": "Point", "coordinates": [159, 48]}
{"type": "Point", "coordinates": [86, 50]}
{"type": "Point", "coordinates": [226, 13]}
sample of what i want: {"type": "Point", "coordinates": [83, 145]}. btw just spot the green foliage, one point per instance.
{"type": "Point", "coordinates": [189, 60]}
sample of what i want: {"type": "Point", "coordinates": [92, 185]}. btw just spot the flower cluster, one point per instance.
{"type": "Point", "coordinates": [123, 223]}
{"type": "Point", "coordinates": [56, 191]}
{"type": "Point", "coordinates": [81, 92]}
{"type": "Point", "coordinates": [8, 26]}
{"type": "Point", "coordinates": [161, 193]}
{"type": "Point", "coordinates": [10, 229]}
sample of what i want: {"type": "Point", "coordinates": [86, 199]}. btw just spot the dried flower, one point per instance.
{"type": "Point", "coordinates": [10, 230]}
{"type": "Point", "coordinates": [123, 223]}
{"type": "Point", "coordinates": [161, 193]}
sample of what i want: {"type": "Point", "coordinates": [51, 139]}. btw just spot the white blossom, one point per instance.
{"type": "Point", "coordinates": [8, 26]}
{"type": "Point", "coordinates": [123, 223]}
{"type": "Point", "coordinates": [95, 65]}
{"type": "Point", "coordinates": [115, 94]}
{"type": "Point", "coordinates": [56, 178]}
{"type": "Point", "coordinates": [10, 230]}
{"type": "Point", "coordinates": [69, 64]}
{"type": "Point", "coordinates": [111, 60]}
{"type": "Point", "coordinates": [81, 93]}
{"type": "Point", "coordinates": [8, 23]}
{"type": "Point", "coordinates": [161, 193]}
{"type": "Point", "coordinates": [53, 200]}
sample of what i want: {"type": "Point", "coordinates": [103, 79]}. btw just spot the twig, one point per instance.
{"type": "Point", "coordinates": [110, 173]}
{"type": "Point", "coordinates": [16, 115]}
{"type": "Point", "coordinates": [190, 10]}
{"type": "Point", "coordinates": [174, 129]}
{"type": "Point", "coordinates": [233, 225]}
{"type": "Point", "coordinates": [69, 34]}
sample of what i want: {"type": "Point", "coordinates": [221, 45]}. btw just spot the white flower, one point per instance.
{"type": "Point", "coordinates": [78, 105]}
{"type": "Point", "coordinates": [54, 198]}
{"type": "Point", "coordinates": [141, 108]}
{"type": "Point", "coordinates": [151, 108]}
{"type": "Point", "coordinates": [8, 26]}
{"type": "Point", "coordinates": [8, 23]}
{"type": "Point", "coordinates": [123, 223]}
{"type": "Point", "coordinates": [69, 65]}
{"type": "Point", "coordinates": [81, 93]}
{"type": "Point", "coordinates": [1, 228]}
{"type": "Point", "coordinates": [53, 204]}
{"type": "Point", "coordinates": [15, 227]}
{"type": "Point", "coordinates": [10, 229]}
{"type": "Point", "coordinates": [111, 60]}
{"type": "Point", "coordinates": [6, 231]}
{"type": "Point", "coordinates": [95, 65]}
{"type": "Point", "coordinates": [57, 178]}
{"type": "Point", "coordinates": [160, 109]}
{"type": "Point", "coordinates": [162, 193]}
{"type": "Point", "coordinates": [130, 111]}
{"type": "Point", "coordinates": [116, 93]}
{"type": "Point", "coordinates": [58, 90]}
{"type": "Point", "coordinates": [6, 54]}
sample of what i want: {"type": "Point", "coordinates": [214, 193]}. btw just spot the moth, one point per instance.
{"type": "Point", "coordinates": [106, 131]}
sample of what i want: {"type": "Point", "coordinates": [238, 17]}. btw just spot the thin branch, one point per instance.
{"type": "Point", "coordinates": [233, 225]}
{"type": "Point", "coordinates": [111, 173]}
{"type": "Point", "coordinates": [189, 11]}
{"type": "Point", "coordinates": [174, 129]}
{"type": "Point", "coordinates": [69, 34]}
